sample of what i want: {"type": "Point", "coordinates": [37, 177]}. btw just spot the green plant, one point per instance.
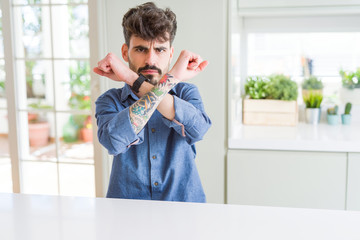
{"type": "Point", "coordinates": [2, 86]}
{"type": "Point", "coordinates": [38, 116]}
{"type": "Point", "coordinates": [312, 83]}
{"type": "Point", "coordinates": [282, 87]}
{"type": "Point", "coordinates": [80, 86]}
{"type": "Point", "coordinates": [256, 86]}
{"type": "Point", "coordinates": [348, 108]}
{"type": "Point", "coordinates": [333, 110]}
{"type": "Point", "coordinates": [313, 100]}
{"type": "Point", "coordinates": [350, 79]}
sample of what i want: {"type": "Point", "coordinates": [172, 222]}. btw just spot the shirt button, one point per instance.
{"type": "Point", "coordinates": [154, 157]}
{"type": "Point", "coordinates": [153, 130]}
{"type": "Point", "coordinates": [156, 183]}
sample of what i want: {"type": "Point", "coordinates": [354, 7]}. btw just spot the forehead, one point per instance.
{"type": "Point", "coordinates": [138, 41]}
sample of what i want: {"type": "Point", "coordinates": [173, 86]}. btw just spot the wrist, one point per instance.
{"type": "Point", "coordinates": [132, 78]}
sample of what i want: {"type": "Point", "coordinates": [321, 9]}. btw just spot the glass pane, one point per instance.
{"type": "Point", "coordinates": [300, 54]}
{"type": "Point", "coordinates": [69, 1]}
{"type": "Point", "coordinates": [5, 172]}
{"type": "Point", "coordinates": [5, 162]}
{"type": "Point", "coordinates": [32, 32]}
{"type": "Point", "coordinates": [30, 1]}
{"type": "Point", "coordinates": [77, 180]}
{"type": "Point", "coordinates": [2, 84]}
{"type": "Point", "coordinates": [38, 142]}
{"type": "Point", "coordinates": [72, 79]}
{"type": "Point", "coordinates": [284, 53]}
{"type": "Point", "coordinates": [1, 37]}
{"type": "Point", "coordinates": [75, 135]}
{"type": "Point", "coordinates": [71, 37]}
{"type": "Point", "coordinates": [39, 178]}
{"type": "Point", "coordinates": [35, 82]}
{"type": "Point", "coordinates": [4, 131]}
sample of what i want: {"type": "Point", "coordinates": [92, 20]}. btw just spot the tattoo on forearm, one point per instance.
{"type": "Point", "coordinates": [141, 110]}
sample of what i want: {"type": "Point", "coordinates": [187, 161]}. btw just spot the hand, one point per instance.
{"type": "Point", "coordinates": [112, 67]}
{"type": "Point", "coordinates": [187, 66]}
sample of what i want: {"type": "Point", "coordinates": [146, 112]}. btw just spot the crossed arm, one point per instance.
{"type": "Point", "coordinates": [152, 97]}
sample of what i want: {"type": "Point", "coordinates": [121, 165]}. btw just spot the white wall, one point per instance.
{"type": "Point", "coordinates": [202, 28]}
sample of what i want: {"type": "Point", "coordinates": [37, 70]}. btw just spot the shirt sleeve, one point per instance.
{"type": "Point", "coordinates": [190, 120]}
{"type": "Point", "coordinates": [115, 131]}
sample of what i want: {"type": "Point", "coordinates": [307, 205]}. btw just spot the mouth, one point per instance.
{"type": "Point", "coordinates": [149, 71]}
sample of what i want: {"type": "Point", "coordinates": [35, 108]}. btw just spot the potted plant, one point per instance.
{"type": "Point", "coordinates": [79, 100]}
{"type": "Point", "coordinates": [346, 116]}
{"type": "Point", "coordinates": [332, 115]}
{"type": "Point", "coordinates": [312, 84]}
{"type": "Point", "coordinates": [313, 111]}
{"type": "Point", "coordinates": [270, 101]}
{"type": "Point", "coordinates": [39, 127]}
{"type": "Point", "coordinates": [350, 91]}
{"type": "Point", "coordinates": [86, 131]}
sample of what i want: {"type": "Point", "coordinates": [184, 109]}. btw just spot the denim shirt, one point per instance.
{"type": "Point", "coordinates": [159, 162]}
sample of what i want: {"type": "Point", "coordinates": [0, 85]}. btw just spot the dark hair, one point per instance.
{"type": "Point", "coordinates": [149, 22]}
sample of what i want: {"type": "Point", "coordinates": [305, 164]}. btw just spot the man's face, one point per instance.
{"type": "Point", "coordinates": [151, 58]}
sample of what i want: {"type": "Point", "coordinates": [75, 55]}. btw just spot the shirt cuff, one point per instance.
{"type": "Point", "coordinates": [185, 114]}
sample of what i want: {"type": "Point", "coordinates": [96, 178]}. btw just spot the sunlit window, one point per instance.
{"type": "Point", "coordinates": [51, 45]}
{"type": "Point", "coordinates": [324, 53]}
{"type": "Point", "coordinates": [5, 163]}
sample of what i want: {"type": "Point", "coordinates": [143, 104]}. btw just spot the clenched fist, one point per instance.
{"type": "Point", "coordinates": [112, 67]}
{"type": "Point", "coordinates": [187, 66]}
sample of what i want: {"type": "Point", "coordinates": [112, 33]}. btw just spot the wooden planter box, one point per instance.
{"type": "Point", "coordinates": [270, 112]}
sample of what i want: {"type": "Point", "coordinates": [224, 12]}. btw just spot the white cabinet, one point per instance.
{"type": "Point", "coordinates": [353, 190]}
{"type": "Point", "coordinates": [287, 179]}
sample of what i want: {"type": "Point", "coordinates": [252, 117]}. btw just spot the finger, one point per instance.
{"type": "Point", "coordinates": [102, 73]}
{"type": "Point", "coordinates": [98, 71]}
{"type": "Point", "coordinates": [104, 66]}
{"type": "Point", "coordinates": [202, 66]}
{"type": "Point", "coordinates": [192, 65]}
{"type": "Point", "coordinates": [194, 62]}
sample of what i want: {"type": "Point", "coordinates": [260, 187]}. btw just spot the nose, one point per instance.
{"type": "Point", "coordinates": [151, 58]}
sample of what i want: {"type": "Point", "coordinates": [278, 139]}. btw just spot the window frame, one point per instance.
{"type": "Point", "coordinates": [13, 99]}
{"type": "Point", "coordinates": [245, 19]}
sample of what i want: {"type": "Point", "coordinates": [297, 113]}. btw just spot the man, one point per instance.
{"type": "Point", "coordinates": [151, 124]}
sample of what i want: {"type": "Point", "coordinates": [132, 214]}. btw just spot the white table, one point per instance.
{"type": "Point", "coordinates": [50, 217]}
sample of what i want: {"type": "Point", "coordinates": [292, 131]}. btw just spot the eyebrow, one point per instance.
{"type": "Point", "coordinates": [145, 47]}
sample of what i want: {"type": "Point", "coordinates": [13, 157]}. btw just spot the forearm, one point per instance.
{"type": "Point", "coordinates": [142, 110]}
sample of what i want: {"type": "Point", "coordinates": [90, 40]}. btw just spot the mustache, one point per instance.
{"type": "Point", "coordinates": [148, 67]}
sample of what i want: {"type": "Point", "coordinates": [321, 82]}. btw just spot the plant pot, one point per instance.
{"type": "Point", "coordinates": [312, 115]}
{"type": "Point", "coordinates": [39, 134]}
{"type": "Point", "coordinates": [333, 119]}
{"type": "Point", "coordinates": [346, 119]}
{"type": "Point", "coordinates": [268, 112]}
{"type": "Point", "coordinates": [86, 134]}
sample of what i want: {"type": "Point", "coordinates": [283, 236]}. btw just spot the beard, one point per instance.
{"type": "Point", "coordinates": [153, 79]}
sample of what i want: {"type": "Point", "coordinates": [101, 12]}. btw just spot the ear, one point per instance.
{"type": "Point", "coordinates": [125, 52]}
{"type": "Point", "coordinates": [171, 52]}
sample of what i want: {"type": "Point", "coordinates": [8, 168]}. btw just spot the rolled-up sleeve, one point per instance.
{"type": "Point", "coordinates": [190, 120]}
{"type": "Point", "coordinates": [115, 131]}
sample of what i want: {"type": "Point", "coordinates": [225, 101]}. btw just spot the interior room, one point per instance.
{"type": "Point", "coordinates": [281, 88]}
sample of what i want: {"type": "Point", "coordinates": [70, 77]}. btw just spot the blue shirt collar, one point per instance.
{"type": "Point", "coordinates": [126, 92]}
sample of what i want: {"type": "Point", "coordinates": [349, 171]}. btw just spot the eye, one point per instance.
{"type": "Point", "coordinates": [140, 49]}
{"type": "Point", "coordinates": [160, 50]}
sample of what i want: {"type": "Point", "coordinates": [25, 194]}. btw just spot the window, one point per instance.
{"type": "Point", "coordinates": [267, 41]}
{"type": "Point", "coordinates": [5, 162]}
{"type": "Point", "coordinates": [51, 58]}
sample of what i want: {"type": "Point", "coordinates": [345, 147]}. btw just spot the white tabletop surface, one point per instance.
{"type": "Point", "coordinates": [303, 137]}
{"type": "Point", "coordinates": [51, 217]}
